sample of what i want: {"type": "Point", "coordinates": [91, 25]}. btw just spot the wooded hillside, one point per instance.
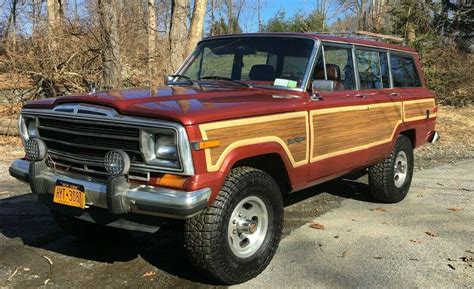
{"type": "Point", "coordinates": [56, 47]}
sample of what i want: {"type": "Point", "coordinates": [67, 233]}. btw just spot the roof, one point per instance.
{"type": "Point", "coordinates": [325, 37]}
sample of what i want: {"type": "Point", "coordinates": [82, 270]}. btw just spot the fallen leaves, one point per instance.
{"type": "Point", "coordinates": [379, 210]}
{"type": "Point", "coordinates": [416, 241]}
{"type": "Point", "coordinates": [149, 274]}
{"type": "Point", "coordinates": [48, 259]}
{"type": "Point", "coordinates": [13, 275]}
{"type": "Point", "coordinates": [431, 234]}
{"type": "Point", "coordinates": [346, 253]}
{"type": "Point", "coordinates": [455, 209]}
{"type": "Point", "coordinates": [467, 259]}
{"type": "Point", "coordinates": [316, 226]}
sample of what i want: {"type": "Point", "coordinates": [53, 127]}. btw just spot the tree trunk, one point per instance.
{"type": "Point", "coordinates": [230, 17]}
{"type": "Point", "coordinates": [108, 19]}
{"type": "Point", "coordinates": [178, 33]}
{"type": "Point", "coordinates": [197, 23]}
{"type": "Point", "coordinates": [151, 41]}
{"type": "Point", "coordinates": [363, 15]}
{"type": "Point", "coordinates": [55, 9]}
{"type": "Point", "coordinates": [11, 23]}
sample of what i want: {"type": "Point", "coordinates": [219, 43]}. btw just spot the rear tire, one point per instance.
{"type": "Point", "coordinates": [235, 238]}
{"type": "Point", "coordinates": [390, 179]}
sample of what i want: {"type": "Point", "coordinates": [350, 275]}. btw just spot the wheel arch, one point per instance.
{"type": "Point", "coordinates": [268, 157]}
{"type": "Point", "coordinates": [411, 135]}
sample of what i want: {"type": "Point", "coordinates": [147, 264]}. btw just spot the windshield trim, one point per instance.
{"type": "Point", "coordinates": [309, 67]}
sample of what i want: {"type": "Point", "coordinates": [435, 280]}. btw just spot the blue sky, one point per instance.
{"type": "Point", "coordinates": [271, 7]}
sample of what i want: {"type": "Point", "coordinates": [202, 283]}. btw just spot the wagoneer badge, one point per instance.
{"type": "Point", "coordinates": [294, 140]}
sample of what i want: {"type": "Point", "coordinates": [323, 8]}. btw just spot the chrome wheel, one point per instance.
{"type": "Point", "coordinates": [248, 226]}
{"type": "Point", "coordinates": [400, 169]}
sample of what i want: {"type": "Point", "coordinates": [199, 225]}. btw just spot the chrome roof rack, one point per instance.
{"type": "Point", "coordinates": [366, 35]}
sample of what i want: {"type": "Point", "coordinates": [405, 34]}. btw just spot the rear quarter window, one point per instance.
{"type": "Point", "coordinates": [404, 73]}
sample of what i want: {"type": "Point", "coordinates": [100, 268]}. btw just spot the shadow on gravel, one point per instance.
{"type": "Point", "coordinates": [22, 217]}
{"type": "Point", "coordinates": [351, 186]}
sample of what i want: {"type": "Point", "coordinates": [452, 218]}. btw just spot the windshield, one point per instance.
{"type": "Point", "coordinates": [272, 61]}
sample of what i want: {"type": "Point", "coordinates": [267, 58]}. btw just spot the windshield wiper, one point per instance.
{"type": "Point", "coordinates": [171, 78]}
{"type": "Point", "coordinates": [215, 77]}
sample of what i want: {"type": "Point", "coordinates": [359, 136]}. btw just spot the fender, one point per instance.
{"type": "Point", "coordinates": [297, 176]}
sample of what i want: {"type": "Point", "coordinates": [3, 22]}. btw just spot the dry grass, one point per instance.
{"type": "Point", "coordinates": [456, 124]}
{"type": "Point", "coordinates": [14, 81]}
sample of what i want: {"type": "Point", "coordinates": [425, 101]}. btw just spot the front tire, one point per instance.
{"type": "Point", "coordinates": [235, 238]}
{"type": "Point", "coordinates": [390, 179]}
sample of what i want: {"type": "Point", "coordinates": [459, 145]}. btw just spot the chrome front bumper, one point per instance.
{"type": "Point", "coordinates": [141, 199]}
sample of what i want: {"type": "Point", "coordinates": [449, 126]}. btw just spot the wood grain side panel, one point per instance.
{"type": "Point", "coordinates": [277, 128]}
{"type": "Point", "coordinates": [416, 109]}
{"type": "Point", "coordinates": [383, 121]}
{"type": "Point", "coordinates": [338, 131]}
{"type": "Point", "coordinates": [348, 129]}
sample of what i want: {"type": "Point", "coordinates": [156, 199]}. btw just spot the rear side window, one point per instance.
{"type": "Point", "coordinates": [339, 67]}
{"type": "Point", "coordinates": [404, 73]}
{"type": "Point", "coordinates": [368, 66]}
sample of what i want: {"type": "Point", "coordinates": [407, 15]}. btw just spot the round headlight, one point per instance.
{"type": "Point", "coordinates": [165, 147]}
{"type": "Point", "coordinates": [35, 149]}
{"type": "Point", "coordinates": [117, 162]}
{"type": "Point", "coordinates": [32, 129]}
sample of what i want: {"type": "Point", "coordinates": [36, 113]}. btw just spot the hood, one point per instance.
{"type": "Point", "coordinates": [187, 105]}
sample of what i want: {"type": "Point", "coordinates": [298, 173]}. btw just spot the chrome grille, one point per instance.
{"type": "Point", "coordinates": [79, 135]}
{"type": "Point", "coordinates": [86, 140]}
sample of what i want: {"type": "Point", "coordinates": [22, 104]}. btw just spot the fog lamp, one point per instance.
{"type": "Point", "coordinates": [35, 149]}
{"type": "Point", "coordinates": [117, 162]}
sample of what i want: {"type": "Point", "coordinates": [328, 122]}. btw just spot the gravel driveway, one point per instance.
{"type": "Point", "coordinates": [427, 240]}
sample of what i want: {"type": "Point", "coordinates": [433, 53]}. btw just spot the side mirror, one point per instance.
{"type": "Point", "coordinates": [323, 85]}
{"type": "Point", "coordinates": [168, 79]}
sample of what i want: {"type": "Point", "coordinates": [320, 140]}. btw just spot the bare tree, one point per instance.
{"type": "Point", "coordinates": [359, 7]}
{"type": "Point", "coordinates": [378, 10]}
{"type": "Point", "coordinates": [151, 40]}
{"type": "Point", "coordinates": [197, 23]}
{"type": "Point", "coordinates": [178, 32]}
{"type": "Point", "coordinates": [11, 22]}
{"type": "Point", "coordinates": [108, 19]}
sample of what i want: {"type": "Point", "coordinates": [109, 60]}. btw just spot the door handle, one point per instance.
{"type": "Point", "coordinates": [361, 95]}
{"type": "Point", "coordinates": [394, 94]}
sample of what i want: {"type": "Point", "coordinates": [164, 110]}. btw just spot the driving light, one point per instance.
{"type": "Point", "coordinates": [117, 162]}
{"type": "Point", "coordinates": [35, 149]}
{"type": "Point", "coordinates": [165, 147]}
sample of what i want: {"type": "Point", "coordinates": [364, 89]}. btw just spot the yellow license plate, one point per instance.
{"type": "Point", "coordinates": [69, 194]}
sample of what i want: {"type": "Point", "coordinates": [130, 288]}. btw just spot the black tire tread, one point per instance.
{"type": "Point", "coordinates": [201, 232]}
{"type": "Point", "coordinates": [381, 181]}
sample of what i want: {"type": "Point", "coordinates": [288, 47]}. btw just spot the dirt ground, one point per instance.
{"type": "Point", "coordinates": [35, 252]}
